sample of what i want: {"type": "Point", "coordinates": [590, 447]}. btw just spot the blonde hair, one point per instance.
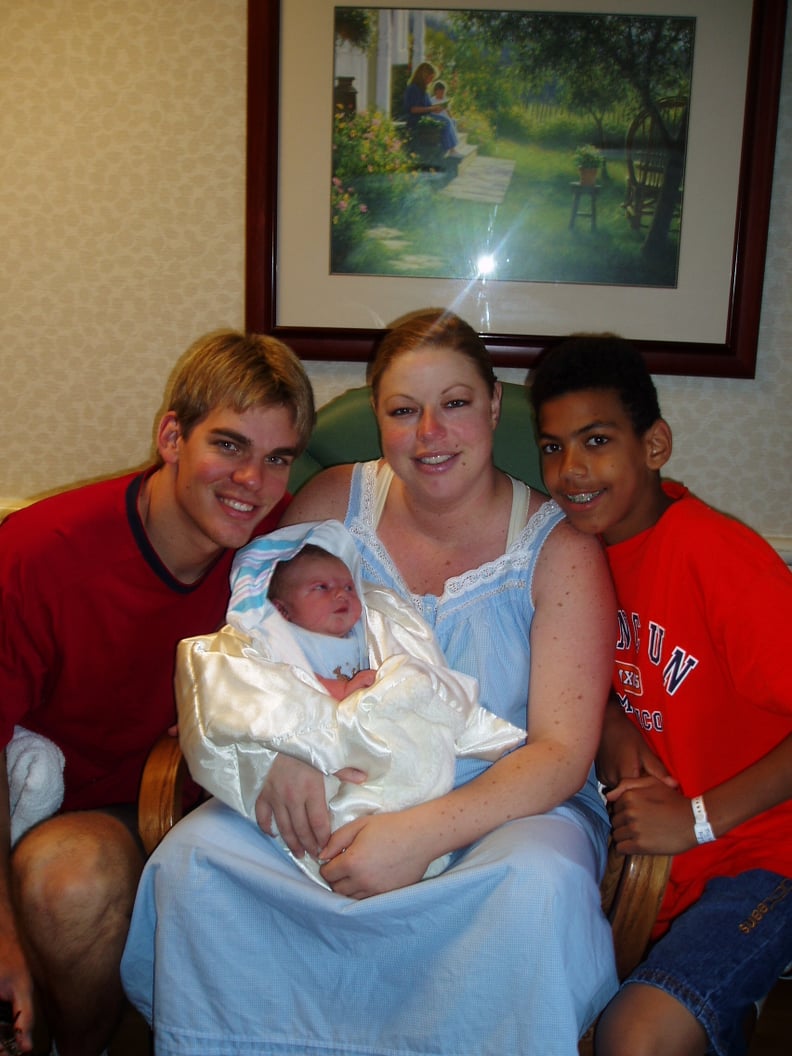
{"type": "Point", "coordinates": [241, 371]}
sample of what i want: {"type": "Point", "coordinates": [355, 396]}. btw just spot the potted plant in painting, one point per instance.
{"type": "Point", "coordinates": [588, 160]}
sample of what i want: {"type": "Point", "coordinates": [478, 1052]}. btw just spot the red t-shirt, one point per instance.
{"type": "Point", "coordinates": [90, 622]}
{"type": "Point", "coordinates": [705, 606]}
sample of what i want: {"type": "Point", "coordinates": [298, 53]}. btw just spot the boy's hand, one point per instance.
{"type": "Point", "coordinates": [623, 752]}
{"type": "Point", "coordinates": [648, 816]}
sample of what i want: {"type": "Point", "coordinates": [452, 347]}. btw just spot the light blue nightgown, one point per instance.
{"type": "Point", "coordinates": [506, 952]}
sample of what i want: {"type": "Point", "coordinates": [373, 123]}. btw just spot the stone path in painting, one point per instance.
{"type": "Point", "coordinates": [483, 180]}
{"type": "Point", "coordinates": [396, 244]}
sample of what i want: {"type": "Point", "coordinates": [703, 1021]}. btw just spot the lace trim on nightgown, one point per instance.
{"type": "Point", "coordinates": [376, 480]}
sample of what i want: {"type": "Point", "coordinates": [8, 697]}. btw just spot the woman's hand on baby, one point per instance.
{"type": "Point", "coordinates": [374, 854]}
{"type": "Point", "coordinates": [294, 795]}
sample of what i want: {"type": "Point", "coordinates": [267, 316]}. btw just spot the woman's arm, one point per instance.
{"type": "Point", "coordinates": [572, 642]}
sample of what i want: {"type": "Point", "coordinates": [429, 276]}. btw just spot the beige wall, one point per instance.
{"type": "Point", "coordinates": [122, 218]}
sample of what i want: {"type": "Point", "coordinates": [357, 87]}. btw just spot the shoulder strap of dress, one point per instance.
{"type": "Point", "coordinates": [382, 483]}
{"type": "Point", "coordinates": [521, 497]}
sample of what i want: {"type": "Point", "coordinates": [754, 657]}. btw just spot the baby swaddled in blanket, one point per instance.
{"type": "Point", "coordinates": [315, 663]}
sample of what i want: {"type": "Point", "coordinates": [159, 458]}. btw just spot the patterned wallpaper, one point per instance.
{"type": "Point", "coordinates": [122, 212]}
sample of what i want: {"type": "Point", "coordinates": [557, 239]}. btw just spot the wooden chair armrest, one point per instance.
{"type": "Point", "coordinates": [632, 890]}
{"type": "Point", "coordinates": [635, 905]}
{"type": "Point", "coordinates": [160, 800]}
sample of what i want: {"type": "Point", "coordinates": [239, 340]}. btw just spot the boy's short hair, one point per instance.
{"type": "Point", "coordinates": [597, 361]}
{"type": "Point", "coordinates": [241, 371]}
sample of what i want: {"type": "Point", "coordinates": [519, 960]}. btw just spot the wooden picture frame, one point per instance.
{"type": "Point", "coordinates": [738, 318]}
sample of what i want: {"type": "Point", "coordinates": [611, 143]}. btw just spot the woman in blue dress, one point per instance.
{"type": "Point", "coordinates": [418, 104]}
{"type": "Point", "coordinates": [233, 949]}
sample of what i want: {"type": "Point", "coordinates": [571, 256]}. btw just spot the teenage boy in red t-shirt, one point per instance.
{"type": "Point", "coordinates": [697, 748]}
{"type": "Point", "coordinates": [97, 587]}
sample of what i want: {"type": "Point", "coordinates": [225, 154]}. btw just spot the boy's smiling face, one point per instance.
{"type": "Point", "coordinates": [602, 474]}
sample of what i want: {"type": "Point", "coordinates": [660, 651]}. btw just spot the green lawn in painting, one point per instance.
{"type": "Point", "coordinates": [423, 232]}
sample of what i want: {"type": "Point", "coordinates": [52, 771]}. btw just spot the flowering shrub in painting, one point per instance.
{"type": "Point", "coordinates": [348, 219]}
{"type": "Point", "coordinates": [367, 143]}
{"type": "Point", "coordinates": [371, 158]}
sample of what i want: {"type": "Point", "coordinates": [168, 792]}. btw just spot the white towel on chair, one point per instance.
{"type": "Point", "coordinates": [35, 780]}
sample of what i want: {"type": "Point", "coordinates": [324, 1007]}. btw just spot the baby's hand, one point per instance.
{"type": "Point", "coordinates": [362, 680]}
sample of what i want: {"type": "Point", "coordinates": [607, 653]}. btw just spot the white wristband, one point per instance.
{"type": "Point", "coordinates": [701, 825]}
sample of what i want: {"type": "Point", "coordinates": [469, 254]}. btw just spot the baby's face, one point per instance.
{"type": "Point", "coordinates": [320, 595]}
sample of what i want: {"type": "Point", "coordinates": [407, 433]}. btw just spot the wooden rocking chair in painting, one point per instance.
{"type": "Point", "coordinates": [655, 152]}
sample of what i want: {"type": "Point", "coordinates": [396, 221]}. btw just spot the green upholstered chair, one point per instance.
{"type": "Point", "coordinates": [346, 431]}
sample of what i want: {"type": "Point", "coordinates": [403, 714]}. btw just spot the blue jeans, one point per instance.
{"type": "Point", "coordinates": [724, 953]}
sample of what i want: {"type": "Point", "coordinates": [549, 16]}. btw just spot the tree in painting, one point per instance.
{"type": "Point", "coordinates": [596, 58]}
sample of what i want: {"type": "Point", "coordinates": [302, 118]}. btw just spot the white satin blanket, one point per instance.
{"type": "Point", "coordinates": [247, 693]}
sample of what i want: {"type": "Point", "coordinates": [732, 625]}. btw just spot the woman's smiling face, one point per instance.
{"type": "Point", "coordinates": [436, 418]}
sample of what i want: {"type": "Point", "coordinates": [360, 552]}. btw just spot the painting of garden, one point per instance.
{"type": "Point", "coordinates": [512, 145]}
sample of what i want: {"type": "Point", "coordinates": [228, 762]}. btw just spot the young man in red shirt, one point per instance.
{"type": "Point", "coordinates": [97, 587]}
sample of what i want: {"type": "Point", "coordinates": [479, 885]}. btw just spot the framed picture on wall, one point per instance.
{"type": "Point", "coordinates": [370, 195]}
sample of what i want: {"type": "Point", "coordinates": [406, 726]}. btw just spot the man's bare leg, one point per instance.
{"type": "Point", "coordinates": [74, 879]}
{"type": "Point", "coordinates": [646, 1021]}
